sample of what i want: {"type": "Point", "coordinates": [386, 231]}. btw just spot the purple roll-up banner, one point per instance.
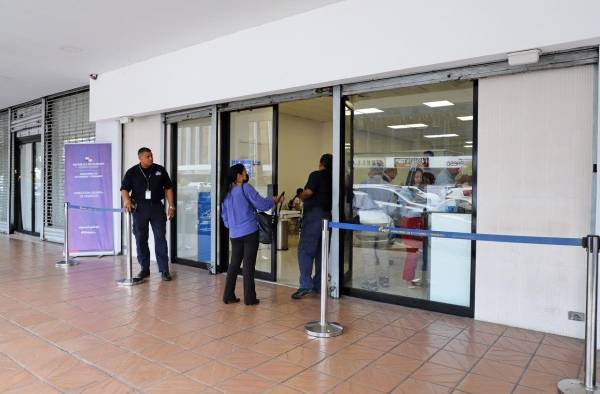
{"type": "Point", "coordinates": [88, 182]}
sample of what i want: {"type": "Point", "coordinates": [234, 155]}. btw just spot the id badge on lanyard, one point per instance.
{"type": "Point", "coordinates": [148, 195]}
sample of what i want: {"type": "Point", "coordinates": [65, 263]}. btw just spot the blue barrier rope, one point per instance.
{"type": "Point", "coordinates": [522, 239]}
{"type": "Point", "coordinates": [84, 208]}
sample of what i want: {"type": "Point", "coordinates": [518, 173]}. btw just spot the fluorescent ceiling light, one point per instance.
{"type": "Point", "coordinates": [468, 146]}
{"type": "Point", "coordinates": [440, 135]}
{"type": "Point", "coordinates": [434, 104]}
{"type": "Point", "coordinates": [469, 142]}
{"type": "Point", "coordinates": [408, 126]}
{"type": "Point", "coordinates": [465, 118]}
{"type": "Point", "coordinates": [366, 111]}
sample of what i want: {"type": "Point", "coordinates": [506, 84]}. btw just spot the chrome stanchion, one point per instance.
{"type": "Point", "coordinates": [67, 262]}
{"type": "Point", "coordinates": [588, 385]}
{"type": "Point", "coordinates": [323, 328]}
{"type": "Point", "coordinates": [129, 280]}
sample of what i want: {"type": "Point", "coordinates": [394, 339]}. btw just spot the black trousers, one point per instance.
{"type": "Point", "coordinates": [243, 248]}
{"type": "Point", "coordinates": [151, 214]}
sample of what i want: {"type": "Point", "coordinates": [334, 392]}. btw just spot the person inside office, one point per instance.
{"type": "Point", "coordinates": [316, 197]}
{"type": "Point", "coordinates": [149, 184]}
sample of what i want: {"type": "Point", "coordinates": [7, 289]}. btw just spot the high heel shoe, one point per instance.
{"type": "Point", "coordinates": [232, 300]}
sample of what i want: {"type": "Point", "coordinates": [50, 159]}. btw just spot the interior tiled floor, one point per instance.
{"type": "Point", "coordinates": [74, 330]}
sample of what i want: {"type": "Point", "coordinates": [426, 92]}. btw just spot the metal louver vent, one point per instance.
{"type": "Point", "coordinates": [4, 170]}
{"type": "Point", "coordinates": [67, 121]}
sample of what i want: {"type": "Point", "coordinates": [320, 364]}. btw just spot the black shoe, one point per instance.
{"type": "Point", "coordinates": [301, 293]}
{"type": "Point", "coordinates": [231, 300]}
{"type": "Point", "coordinates": [166, 276]}
{"type": "Point", "coordinates": [143, 274]}
{"type": "Point", "coordinates": [255, 302]}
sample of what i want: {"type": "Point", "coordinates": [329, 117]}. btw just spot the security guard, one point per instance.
{"type": "Point", "coordinates": [317, 206]}
{"type": "Point", "coordinates": [149, 183]}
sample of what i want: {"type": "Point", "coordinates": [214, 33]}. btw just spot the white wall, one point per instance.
{"type": "Point", "coordinates": [301, 143]}
{"type": "Point", "coordinates": [145, 131]}
{"type": "Point", "coordinates": [534, 178]}
{"type": "Point", "coordinates": [109, 131]}
{"type": "Point", "coordinates": [349, 40]}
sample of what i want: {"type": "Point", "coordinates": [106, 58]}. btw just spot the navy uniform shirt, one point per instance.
{"type": "Point", "coordinates": [320, 184]}
{"type": "Point", "coordinates": [155, 178]}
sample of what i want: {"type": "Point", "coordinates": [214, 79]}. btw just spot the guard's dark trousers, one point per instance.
{"type": "Point", "coordinates": [153, 214]}
{"type": "Point", "coordinates": [242, 248]}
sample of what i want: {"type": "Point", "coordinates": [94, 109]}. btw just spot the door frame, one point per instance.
{"type": "Point", "coordinates": [18, 225]}
{"type": "Point", "coordinates": [173, 223]}
{"type": "Point", "coordinates": [224, 160]}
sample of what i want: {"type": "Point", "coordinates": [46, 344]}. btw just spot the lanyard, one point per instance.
{"type": "Point", "coordinates": [147, 178]}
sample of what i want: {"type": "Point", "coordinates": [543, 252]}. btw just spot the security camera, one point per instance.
{"type": "Point", "coordinates": [94, 76]}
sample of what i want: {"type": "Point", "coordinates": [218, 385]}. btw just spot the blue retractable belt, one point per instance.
{"type": "Point", "coordinates": [84, 208]}
{"type": "Point", "coordinates": [455, 235]}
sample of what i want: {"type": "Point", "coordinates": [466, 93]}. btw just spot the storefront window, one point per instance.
{"type": "Point", "coordinates": [408, 161]}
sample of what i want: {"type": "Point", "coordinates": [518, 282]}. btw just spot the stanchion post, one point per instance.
{"type": "Point", "coordinates": [323, 328]}
{"type": "Point", "coordinates": [588, 385]}
{"type": "Point", "coordinates": [129, 279]}
{"type": "Point", "coordinates": [67, 261]}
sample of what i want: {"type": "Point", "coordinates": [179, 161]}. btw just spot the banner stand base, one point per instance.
{"type": "Point", "coordinates": [575, 386]}
{"type": "Point", "coordinates": [67, 263]}
{"type": "Point", "coordinates": [330, 329]}
{"type": "Point", "coordinates": [130, 282]}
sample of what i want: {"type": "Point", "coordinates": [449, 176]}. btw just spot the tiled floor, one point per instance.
{"type": "Point", "coordinates": [73, 330]}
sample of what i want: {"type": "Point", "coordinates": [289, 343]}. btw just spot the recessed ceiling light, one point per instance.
{"type": "Point", "coordinates": [440, 135]}
{"type": "Point", "coordinates": [434, 104]}
{"type": "Point", "coordinates": [363, 111]}
{"type": "Point", "coordinates": [469, 142]}
{"type": "Point", "coordinates": [465, 118]}
{"type": "Point", "coordinates": [408, 126]}
{"type": "Point", "coordinates": [71, 49]}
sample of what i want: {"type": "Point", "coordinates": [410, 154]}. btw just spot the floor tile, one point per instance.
{"type": "Point", "coordinates": [377, 377]}
{"type": "Point", "coordinates": [454, 360]}
{"type": "Point", "coordinates": [439, 374]}
{"type": "Point", "coordinates": [213, 372]}
{"type": "Point", "coordinates": [506, 356]}
{"type": "Point", "coordinates": [540, 380]}
{"type": "Point", "coordinates": [499, 371]}
{"type": "Point", "coordinates": [416, 351]}
{"type": "Point", "coordinates": [277, 370]}
{"type": "Point", "coordinates": [303, 356]}
{"type": "Point", "coordinates": [477, 384]}
{"type": "Point", "coordinates": [245, 383]}
{"type": "Point", "coordinates": [244, 359]}
{"type": "Point", "coordinates": [176, 384]}
{"type": "Point", "coordinates": [413, 386]}
{"type": "Point", "coordinates": [312, 381]}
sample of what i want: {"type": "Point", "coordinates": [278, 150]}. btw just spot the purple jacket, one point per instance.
{"type": "Point", "coordinates": [239, 216]}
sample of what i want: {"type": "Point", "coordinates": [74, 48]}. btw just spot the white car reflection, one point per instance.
{"type": "Point", "coordinates": [397, 201]}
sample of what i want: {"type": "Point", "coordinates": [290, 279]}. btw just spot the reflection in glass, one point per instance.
{"type": "Point", "coordinates": [251, 143]}
{"type": "Point", "coordinates": [193, 190]}
{"type": "Point", "coordinates": [408, 158]}
{"type": "Point", "coordinates": [38, 187]}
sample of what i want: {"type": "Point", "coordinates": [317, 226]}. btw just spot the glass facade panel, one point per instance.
{"type": "Point", "coordinates": [251, 143]}
{"type": "Point", "coordinates": [193, 190]}
{"type": "Point", "coordinates": [408, 159]}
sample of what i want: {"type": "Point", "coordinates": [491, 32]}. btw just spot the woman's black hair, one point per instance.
{"type": "Point", "coordinates": [299, 190]}
{"type": "Point", "coordinates": [232, 175]}
{"type": "Point", "coordinates": [412, 181]}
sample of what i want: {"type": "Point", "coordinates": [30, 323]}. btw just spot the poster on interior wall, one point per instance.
{"type": "Point", "coordinates": [88, 182]}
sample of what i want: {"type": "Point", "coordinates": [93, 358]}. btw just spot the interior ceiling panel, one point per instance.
{"type": "Point", "coordinates": [51, 46]}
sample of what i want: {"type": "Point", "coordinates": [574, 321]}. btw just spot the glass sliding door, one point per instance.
{"type": "Point", "coordinates": [29, 190]}
{"type": "Point", "coordinates": [192, 157]}
{"type": "Point", "coordinates": [26, 186]}
{"type": "Point", "coordinates": [409, 155]}
{"type": "Point", "coordinates": [251, 135]}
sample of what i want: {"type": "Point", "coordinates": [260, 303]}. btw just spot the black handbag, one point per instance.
{"type": "Point", "coordinates": [265, 222]}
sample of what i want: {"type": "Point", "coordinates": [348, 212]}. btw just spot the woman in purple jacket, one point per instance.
{"type": "Point", "coordinates": [238, 211]}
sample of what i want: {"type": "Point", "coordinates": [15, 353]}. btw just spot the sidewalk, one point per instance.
{"type": "Point", "coordinates": [74, 330]}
